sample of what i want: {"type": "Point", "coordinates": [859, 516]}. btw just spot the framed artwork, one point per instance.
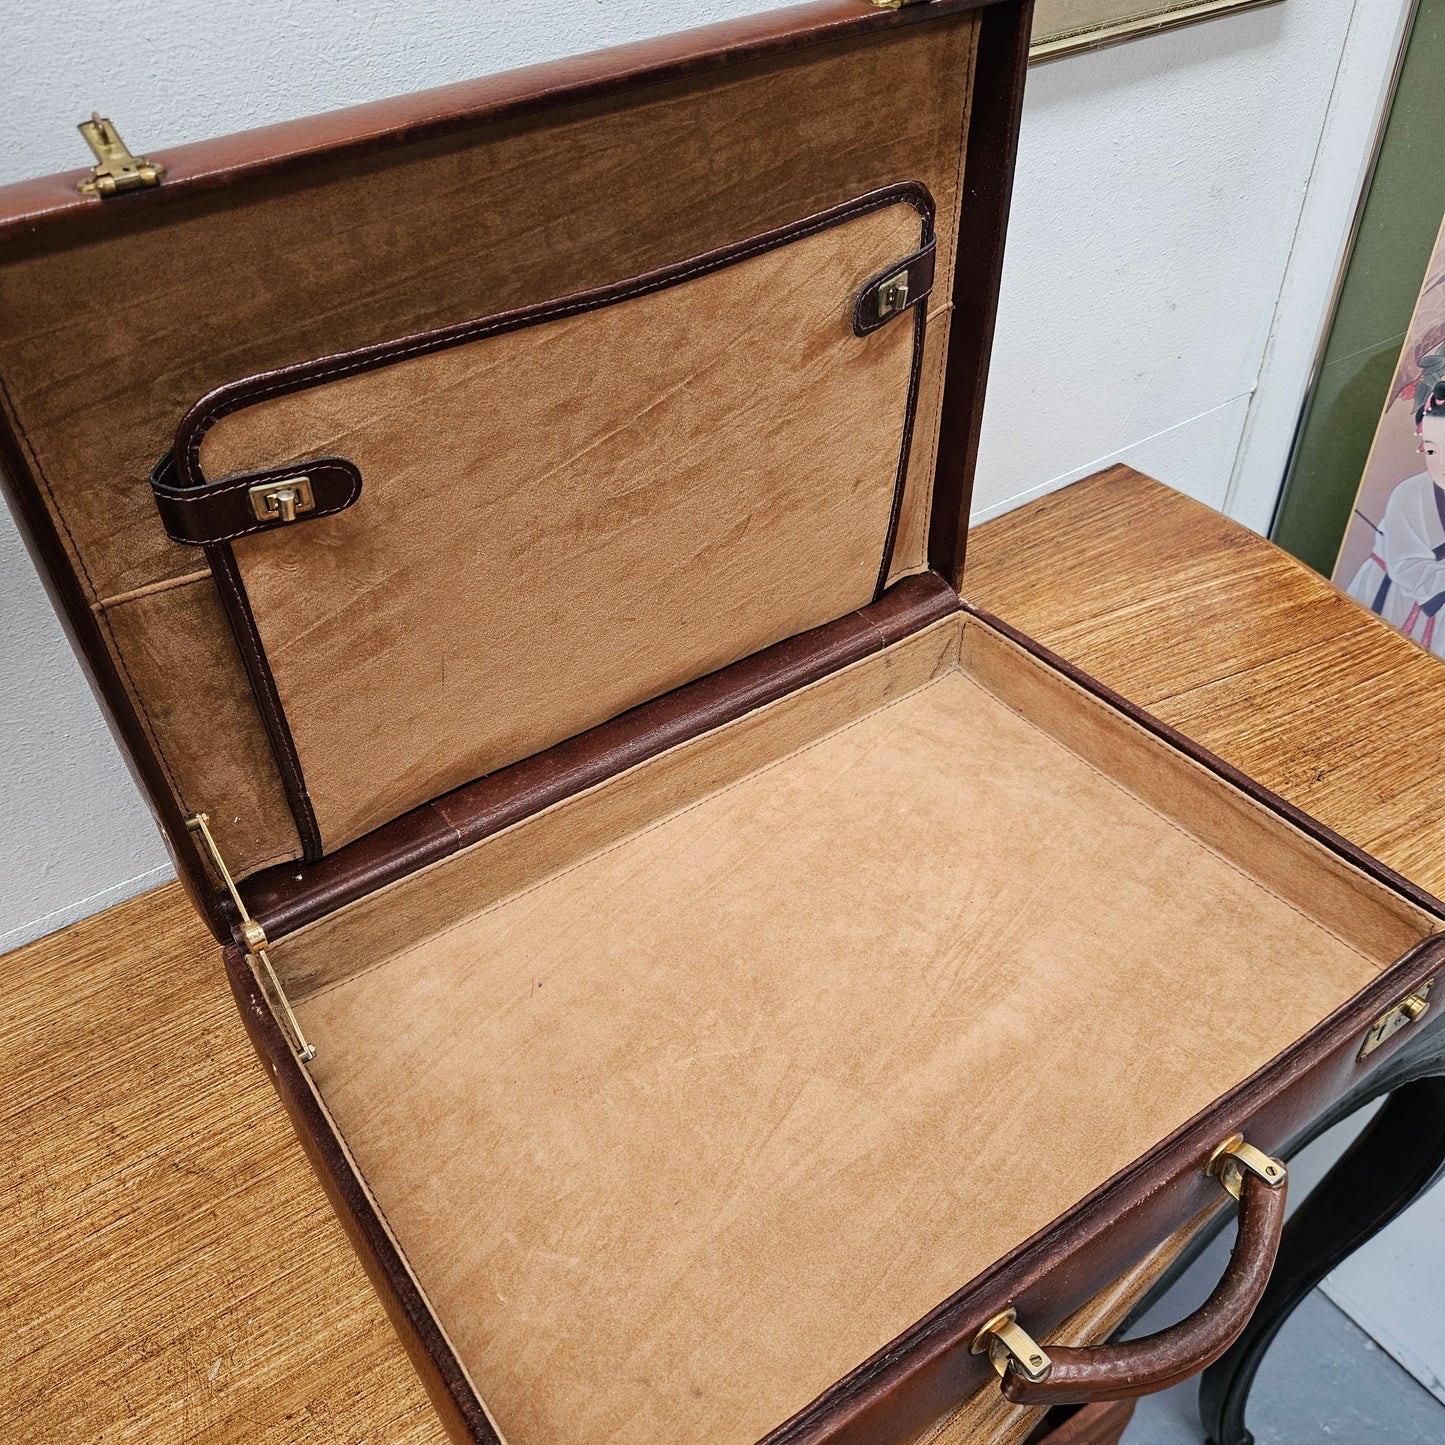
{"type": "Point", "coordinates": [1062, 27]}
{"type": "Point", "coordinates": [1393, 555]}
{"type": "Point", "coordinates": [1362, 360]}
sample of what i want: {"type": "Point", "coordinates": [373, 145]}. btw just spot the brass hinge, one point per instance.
{"type": "Point", "coordinates": [1413, 1006]}
{"type": "Point", "coordinates": [254, 937]}
{"type": "Point", "coordinates": [116, 170]}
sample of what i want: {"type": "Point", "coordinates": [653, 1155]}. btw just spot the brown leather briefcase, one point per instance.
{"type": "Point", "coordinates": [730, 987]}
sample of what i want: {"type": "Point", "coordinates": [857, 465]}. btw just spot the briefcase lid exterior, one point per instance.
{"type": "Point", "coordinates": [748, 202]}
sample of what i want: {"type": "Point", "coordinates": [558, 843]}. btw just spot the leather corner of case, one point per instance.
{"type": "Point", "coordinates": [254, 502]}
{"type": "Point", "coordinates": [895, 289]}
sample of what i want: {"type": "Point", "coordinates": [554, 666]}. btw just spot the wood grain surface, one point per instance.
{"type": "Point", "coordinates": [172, 1271]}
{"type": "Point", "coordinates": [1237, 645]}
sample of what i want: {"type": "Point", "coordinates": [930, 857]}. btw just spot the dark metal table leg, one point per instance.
{"type": "Point", "coordinates": [1400, 1153]}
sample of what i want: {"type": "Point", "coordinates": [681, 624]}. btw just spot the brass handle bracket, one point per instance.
{"type": "Point", "coordinates": [1010, 1346]}
{"type": "Point", "coordinates": [1233, 1159]}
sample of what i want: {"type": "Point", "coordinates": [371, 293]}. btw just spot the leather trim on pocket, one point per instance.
{"type": "Point", "coordinates": [265, 385]}
{"type": "Point", "coordinates": [253, 654]}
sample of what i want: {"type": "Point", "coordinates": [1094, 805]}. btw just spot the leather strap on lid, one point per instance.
{"type": "Point", "coordinates": [255, 502]}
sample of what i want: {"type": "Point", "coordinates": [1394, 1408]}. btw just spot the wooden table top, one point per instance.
{"type": "Point", "coordinates": [172, 1270]}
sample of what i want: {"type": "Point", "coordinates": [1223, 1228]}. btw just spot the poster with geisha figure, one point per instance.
{"type": "Point", "coordinates": [1393, 555]}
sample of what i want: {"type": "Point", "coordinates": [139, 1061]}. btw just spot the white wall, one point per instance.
{"type": "Point", "coordinates": [1158, 198]}
{"type": "Point", "coordinates": [1157, 208]}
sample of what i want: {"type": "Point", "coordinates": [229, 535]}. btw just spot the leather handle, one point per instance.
{"type": "Point", "coordinates": [1140, 1367]}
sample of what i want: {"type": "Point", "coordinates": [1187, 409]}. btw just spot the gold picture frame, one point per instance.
{"type": "Point", "coordinates": [1064, 27]}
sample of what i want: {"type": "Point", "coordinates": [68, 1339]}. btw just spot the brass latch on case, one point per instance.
{"type": "Point", "coordinates": [281, 501]}
{"type": "Point", "coordinates": [116, 169]}
{"type": "Point", "coordinates": [254, 937]}
{"type": "Point", "coordinates": [1401, 1015]}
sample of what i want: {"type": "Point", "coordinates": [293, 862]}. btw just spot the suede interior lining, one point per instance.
{"type": "Point", "coordinates": [691, 1093]}
{"type": "Point", "coordinates": [587, 513]}
{"type": "Point", "coordinates": [432, 233]}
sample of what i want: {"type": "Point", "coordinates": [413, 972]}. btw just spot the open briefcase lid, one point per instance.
{"type": "Point", "coordinates": [596, 330]}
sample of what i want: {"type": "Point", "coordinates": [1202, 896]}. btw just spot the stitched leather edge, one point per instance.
{"type": "Point", "coordinates": [905, 448]}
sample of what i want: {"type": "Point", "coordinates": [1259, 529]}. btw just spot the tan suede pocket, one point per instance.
{"type": "Point", "coordinates": [566, 510]}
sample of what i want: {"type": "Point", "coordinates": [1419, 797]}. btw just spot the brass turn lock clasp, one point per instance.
{"type": "Point", "coordinates": [1008, 1344]}
{"type": "Point", "coordinates": [893, 294]}
{"type": "Point", "coordinates": [282, 501]}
